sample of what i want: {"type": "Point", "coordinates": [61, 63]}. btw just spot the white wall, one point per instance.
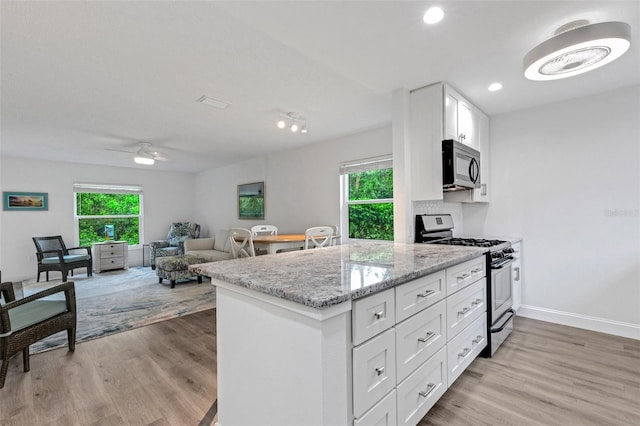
{"type": "Point", "coordinates": [566, 178]}
{"type": "Point", "coordinates": [302, 187]}
{"type": "Point", "coordinates": [168, 197]}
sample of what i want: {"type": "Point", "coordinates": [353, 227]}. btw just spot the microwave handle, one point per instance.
{"type": "Point", "coordinates": [474, 170]}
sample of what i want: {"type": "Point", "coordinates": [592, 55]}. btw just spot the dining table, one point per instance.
{"type": "Point", "coordinates": [273, 243]}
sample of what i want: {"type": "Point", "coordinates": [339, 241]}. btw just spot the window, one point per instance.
{"type": "Point", "coordinates": [367, 199]}
{"type": "Point", "coordinates": [104, 212]}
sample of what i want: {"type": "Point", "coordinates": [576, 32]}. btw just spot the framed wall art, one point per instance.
{"type": "Point", "coordinates": [25, 201]}
{"type": "Point", "coordinates": [251, 201]}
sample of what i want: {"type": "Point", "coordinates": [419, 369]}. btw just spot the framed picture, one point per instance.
{"type": "Point", "coordinates": [25, 201]}
{"type": "Point", "coordinates": [251, 201]}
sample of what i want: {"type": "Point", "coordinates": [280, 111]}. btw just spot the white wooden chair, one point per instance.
{"type": "Point", "coordinates": [336, 235]}
{"type": "Point", "coordinates": [264, 230]}
{"type": "Point", "coordinates": [318, 236]}
{"type": "Point", "coordinates": [241, 241]}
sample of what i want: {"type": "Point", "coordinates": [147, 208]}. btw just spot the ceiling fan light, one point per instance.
{"type": "Point", "coordinates": [577, 51]}
{"type": "Point", "coordinates": [281, 124]}
{"type": "Point", "coordinates": [294, 127]}
{"type": "Point", "coordinates": [141, 159]}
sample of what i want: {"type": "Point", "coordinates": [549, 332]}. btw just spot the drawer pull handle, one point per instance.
{"type": "Point", "coordinates": [465, 352]}
{"type": "Point", "coordinates": [464, 311]}
{"type": "Point", "coordinates": [429, 335]}
{"type": "Point", "coordinates": [430, 388]}
{"type": "Point", "coordinates": [477, 340]}
{"type": "Point", "coordinates": [475, 271]}
{"type": "Point", "coordinates": [476, 302]}
{"type": "Point", "coordinates": [379, 315]}
{"type": "Point", "coordinates": [463, 277]}
{"type": "Point", "coordinates": [379, 371]}
{"type": "Point", "coordinates": [426, 293]}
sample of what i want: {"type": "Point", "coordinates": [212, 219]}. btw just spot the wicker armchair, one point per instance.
{"type": "Point", "coordinates": [30, 319]}
{"type": "Point", "coordinates": [53, 255]}
{"type": "Point", "coordinates": [174, 244]}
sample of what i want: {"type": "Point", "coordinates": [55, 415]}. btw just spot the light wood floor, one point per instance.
{"type": "Point", "coordinates": [164, 374]}
{"type": "Point", "coordinates": [161, 374]}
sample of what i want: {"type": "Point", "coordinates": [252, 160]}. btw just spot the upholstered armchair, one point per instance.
{"type": "Point", "coordinates": [174, 244]}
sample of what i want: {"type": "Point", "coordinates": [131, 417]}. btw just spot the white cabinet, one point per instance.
{"type": "Point", "coordinates": [459, 118]}
{"type": "Point", "coordinates": [516, 275]}
{"type": "Point", "coordinates": [374, 371]}
{"type": "Point", "coordinates": [414, 340]}
{"type": "Point", "coordinates": [439, 112]}
{"type": "Point", "coordinates": [110, 255]}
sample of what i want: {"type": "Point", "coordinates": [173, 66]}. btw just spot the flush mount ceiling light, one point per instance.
{"type": "Point", "coordinates": [494, 87]}
{"type": "Point", "coordinates": [577, 51]}
{"type": "Point", "coordinates": [295, 121]}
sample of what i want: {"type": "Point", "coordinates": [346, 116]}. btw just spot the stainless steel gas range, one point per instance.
{"type": "Point", "coordinates": [438, 229]}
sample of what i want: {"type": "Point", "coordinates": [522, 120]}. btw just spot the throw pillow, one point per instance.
{"type": "Point", "coordinates": [221, 242]}
{"type": "Point", "coordinates": [175, 241]}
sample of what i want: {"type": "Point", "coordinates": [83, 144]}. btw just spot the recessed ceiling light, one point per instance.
{"type": "Point", "coordinates": [494, 87]}
{"type": "Point", "coordinates": [577, 51]}
{"type": "Point", "coordinates": [433, 15]}
{"type": "Point", "coordinates": [216, 103]}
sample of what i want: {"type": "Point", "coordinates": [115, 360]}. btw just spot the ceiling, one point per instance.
{"type": "Point", "coordinates": [80, 79]}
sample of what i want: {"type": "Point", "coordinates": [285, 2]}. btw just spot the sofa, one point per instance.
{"type": "Point", "coordinates": [212, 249]}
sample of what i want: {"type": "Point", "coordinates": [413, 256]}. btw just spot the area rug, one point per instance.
{"type": "Point", "coordinates": [116, 301]}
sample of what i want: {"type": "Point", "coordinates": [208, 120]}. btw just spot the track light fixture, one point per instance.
{"type": "Point", "coordinates": [294, 121]}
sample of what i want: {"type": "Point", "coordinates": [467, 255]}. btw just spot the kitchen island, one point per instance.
{"type": "Point", "coordinates": [285, 338]}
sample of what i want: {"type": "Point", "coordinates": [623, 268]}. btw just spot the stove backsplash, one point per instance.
{"type": "Point", "coordinates": [438, 207]}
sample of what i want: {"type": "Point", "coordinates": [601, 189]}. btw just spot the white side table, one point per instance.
{"type": "Point", "coordinates": [110, 255]}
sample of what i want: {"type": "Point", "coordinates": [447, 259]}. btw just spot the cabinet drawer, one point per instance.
{"type": "Point", "coordinates": [374, 371]}
{"type": "Point", "coordinates": [419, 337]}
{"type": "Point", "coordinates": [112, 263]}
{"type": "Point", "coordinates": [421, 390]}
{"type": "Point", "coordinates": [414, 296]}
{"type": "Point", "coordinates": [382, 414]}
{"type": "Point", "coordinates": [464, 274]}
{"type": "Point", "coordinates": [465, 347]}
{"type": "Point", "coordinates": [111, 250]}
{"type": "Point", "coordinates": [465, 306]}
{"type": "Point", "coordinates": [372, 315]}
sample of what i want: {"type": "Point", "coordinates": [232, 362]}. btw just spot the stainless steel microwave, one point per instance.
{"type": "Point", "coordinates": [460, 166]}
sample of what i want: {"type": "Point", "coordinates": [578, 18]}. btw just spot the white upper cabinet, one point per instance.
{"type": "Point", "coordinates": [459, 118]}
{"type": "Point", "coordinates": [437, 112]}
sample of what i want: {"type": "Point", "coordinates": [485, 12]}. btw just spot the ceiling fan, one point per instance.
{"type": "Point", "coordinates": [144, 155]}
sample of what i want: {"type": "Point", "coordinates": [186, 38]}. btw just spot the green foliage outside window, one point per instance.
{"type": "Point", "coordinates": [111, 207]}
{"type": "Point", "coordinates": [372, 221]}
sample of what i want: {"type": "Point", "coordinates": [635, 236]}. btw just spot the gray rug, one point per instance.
{"type": "Point", "coordinates": [115, 301]}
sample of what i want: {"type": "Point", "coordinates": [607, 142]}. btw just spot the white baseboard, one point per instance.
{"type": "Point", "coordinates": [601, 325]}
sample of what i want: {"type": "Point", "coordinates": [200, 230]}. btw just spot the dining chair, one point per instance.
{"type": "Point", "coordinates": [336, 235]}
{"type": "Point", "coordinates": [241, 240]}
{"type": "Point", "coordinates": [318, 236]}
{"type": "Point", "coordinates": [264, 230]}
{"type": "Point", "coordinates": [32, 318]}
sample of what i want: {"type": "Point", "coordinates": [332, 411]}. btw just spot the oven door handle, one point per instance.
{"type": "Point", "coordinates": [511, 259]}
{"type": "Point", "coordinates": [499, 329]}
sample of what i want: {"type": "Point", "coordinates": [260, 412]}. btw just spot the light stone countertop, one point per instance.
{"type": "Point", "coordinates": [323, 277]}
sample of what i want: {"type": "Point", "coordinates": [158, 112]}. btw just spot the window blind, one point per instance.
{"type": "Point", "coordinates": [367, 164]}
{"type": "Point", "coordinates": [107, 189]}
